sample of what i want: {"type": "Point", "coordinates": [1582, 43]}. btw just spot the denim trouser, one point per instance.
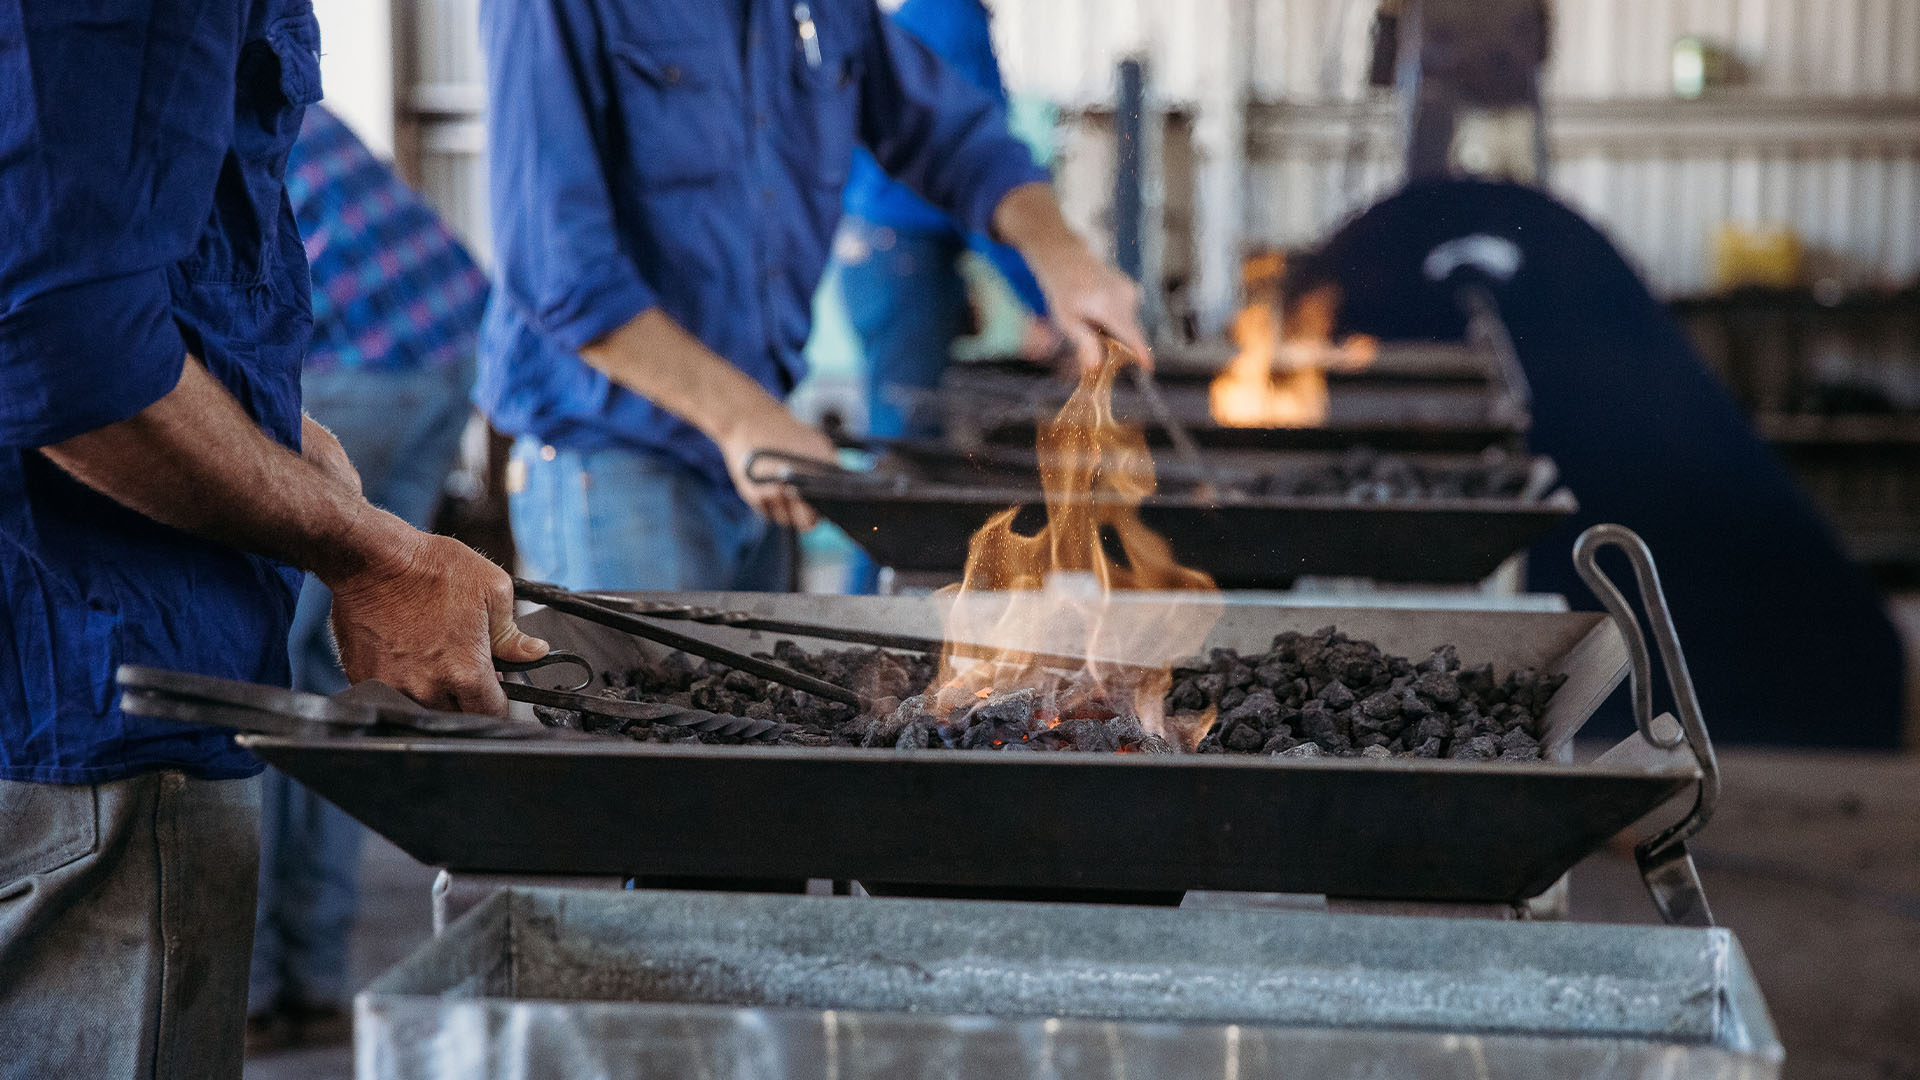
{"type": "Point", "coordinates": [402, 430]}
{"type": "Point", "coordinates": [907, 303]}
{"type": "Point", "coordinates": [624, 519]}
{"type": "Point", "coordinates": [124, 927]}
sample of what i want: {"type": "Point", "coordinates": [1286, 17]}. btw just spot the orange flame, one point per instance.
{"type": "Point", "coordinates": [1278, 378]}
{"type": "Point", "coordinates": [1053, 593]}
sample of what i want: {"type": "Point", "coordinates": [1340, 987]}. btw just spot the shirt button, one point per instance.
{"type": "Point", "coordinates": [673, 74]}
{"type": "Point", "coordinates": [766, 194]}
{"type": "Point", "coordinates": [760, 118]}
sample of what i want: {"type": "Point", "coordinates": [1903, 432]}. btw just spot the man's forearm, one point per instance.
{"type": "Point", "coordinates": [1088, 300]}
{"type": "Point", "coordinates": [196, 461]}
{"type": "Point", "coordinates": [655, 357]}
{"type": "Point", "coordinates": [1028, 219]}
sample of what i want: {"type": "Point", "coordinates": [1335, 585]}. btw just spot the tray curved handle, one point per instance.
{"type": "Point", "coordinates": [1664, 862]}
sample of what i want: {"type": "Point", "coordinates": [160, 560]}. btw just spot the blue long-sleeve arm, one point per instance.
{"type": "Point", "coordinates": [556, 244]}
{"type": "Point", "coordinates": [936, 132]}
{"type": "Point", "coordinates": [104, 185]}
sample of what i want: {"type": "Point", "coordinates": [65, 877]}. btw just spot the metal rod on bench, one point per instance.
{"type": "Point", "coordinates": [571, 604]}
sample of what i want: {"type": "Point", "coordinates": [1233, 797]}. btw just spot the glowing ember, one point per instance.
{"type": "Point", "coordinates": [1278, 378]}
{"type": "Point", "coordinates": [1054, 593]}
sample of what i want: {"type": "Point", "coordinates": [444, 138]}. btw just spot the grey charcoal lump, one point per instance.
{"type": "Point", "coordinates": [1347, 698]}
{"type": "Point", "coordinates": [1309, 695]}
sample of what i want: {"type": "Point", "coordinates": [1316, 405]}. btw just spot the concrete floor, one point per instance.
{"type": "Point", "coordinates": [1813, 860]}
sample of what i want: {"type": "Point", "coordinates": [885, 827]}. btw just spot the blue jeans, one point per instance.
{"type": "Point", "coordinates": [624, 519]}
{"type": "Point", "coordinates": [907, 303]}
{"type": "Point", "coordinates": [402, 430]}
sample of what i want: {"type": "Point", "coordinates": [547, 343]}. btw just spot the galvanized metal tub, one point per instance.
{"type": "Point", "coordinates": [541, 982]}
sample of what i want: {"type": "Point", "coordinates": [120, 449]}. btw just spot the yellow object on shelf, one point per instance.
{"type": "Point", "coordinates": [1763, 255]}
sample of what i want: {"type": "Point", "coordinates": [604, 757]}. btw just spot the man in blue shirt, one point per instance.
{"type": "Point", "coordinates": [666, 179]}
{"type": "Point", "coordinates": [158, 488]}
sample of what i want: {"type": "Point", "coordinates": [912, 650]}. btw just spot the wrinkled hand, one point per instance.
{"type": "Point", "coordinates": [322, 451]}
{"type": "Point", "coordinates": [428, 619]}
{"type": "Point", "coordinates": [1088, 300]}
{"type": "Point", "coordinates": [774, 429]}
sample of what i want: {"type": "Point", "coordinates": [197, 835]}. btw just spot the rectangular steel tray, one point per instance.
{"type": "Point", "coordinates": [1258, 543]}
{"type": "Point", "coordinates": [1413, 829]}
{"type": "Point", "coordinates": [549, 982]}
{"type": "Point", "coordinates": [1397, 413]}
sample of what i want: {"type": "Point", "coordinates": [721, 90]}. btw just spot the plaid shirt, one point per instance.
{"type": "Point", "coordinates": [393, 290]}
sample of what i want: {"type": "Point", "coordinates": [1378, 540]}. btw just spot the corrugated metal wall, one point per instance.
{"type": "Point", "coordinates": [1823, 135]}
{"type": "Point", "coordinates": [1833, 149]}
{"type": "Point", "coordinates": [442, 124]}
{"type": "Point", "coordinates": [1310, 50]}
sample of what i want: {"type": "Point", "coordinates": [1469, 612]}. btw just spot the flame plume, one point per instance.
{"type": "Point", "coordinates": [1054, 592]}
{"type": "Point", "coordinates": [1278, 378]}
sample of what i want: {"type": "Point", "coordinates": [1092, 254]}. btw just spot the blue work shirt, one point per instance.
{"type": "Point", "coordinates": [691, 157]}
{"type": "Point", "coordinates": [959, 32]}
{"type": "Point", "coordinates": [142, 151]}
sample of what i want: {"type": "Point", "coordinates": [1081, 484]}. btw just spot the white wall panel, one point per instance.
{"type": "Point", "coordinates": [1064, 50]}
{"type": "Point", "coordinates": [1833, 149]}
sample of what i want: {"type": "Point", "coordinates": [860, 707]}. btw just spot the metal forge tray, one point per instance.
{"type": "Point", "coordinates": [1260, 542]}
{"type": "Point", "coordinates": [1413, 829]}
{"type": "Point", "coordinates": [646, 984]}
{"type": "Point", "coordinates": [1398, 411]}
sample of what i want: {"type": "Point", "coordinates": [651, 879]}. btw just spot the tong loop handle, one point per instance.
{"type": "Point", "coordinates": [788, 465]}
{"type": "Point", "coordinates": [1663, 858]}
{"type": "Point", "coordinates": [553, 658]}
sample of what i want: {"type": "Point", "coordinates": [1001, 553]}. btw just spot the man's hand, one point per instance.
{"type": "Point", "coordinates": [324, 452]}
{"type": "Point", "coordinates": [428, 619]}
{"type": "Point", "coordinates": [774, 429]}
{"type": "Point", "coordinates": [1087, 298]}
{"type": "Point", "coordinates": [656, 358]}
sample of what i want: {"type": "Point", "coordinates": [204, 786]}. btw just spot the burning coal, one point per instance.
{"type": "Point", "coordinates": [1307, 695]}
{"type": "Point", "coordinates": [1054, 593]}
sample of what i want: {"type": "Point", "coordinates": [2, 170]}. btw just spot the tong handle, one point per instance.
{"type": "Point", "coordinates": [788, 465]}
{"type": "Point", "coordinates": [553, 658]}
{"type": "Point", "coordinates": [1664, 862]}
{"type": "Point", "coordinates": [628, 622]}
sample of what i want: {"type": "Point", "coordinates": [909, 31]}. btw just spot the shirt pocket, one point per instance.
{"type": "Point", "coordinates": [826, 124]}
{"type": "Point", "coordinates": [676, 112]}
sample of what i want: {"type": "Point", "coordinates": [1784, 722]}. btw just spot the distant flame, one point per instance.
{"type": "Point", "coordinates": [1053, 592]}
{"type": "Point", "coordinates": [1278, 378]}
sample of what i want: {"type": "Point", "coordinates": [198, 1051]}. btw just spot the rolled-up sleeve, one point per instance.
{"type": "Point", "coordinates": [936, 132]}
{"type": "Point", "coordinates": [557, 254]}
{"type": "Point", "coordinates": [96, 205]}
{"type": "Point", "coordinates": [81, 357]}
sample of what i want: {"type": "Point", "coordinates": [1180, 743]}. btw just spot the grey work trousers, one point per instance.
{"type": "Point", "coordinates": [126, 919]}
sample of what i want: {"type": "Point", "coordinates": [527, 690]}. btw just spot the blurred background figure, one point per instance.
{"type": "Point", "coordinates": [899, 260]}
{"type": "Point", "coordinates": [899, 255]}
{"type": "Point", "coordinates": [396, 309]}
